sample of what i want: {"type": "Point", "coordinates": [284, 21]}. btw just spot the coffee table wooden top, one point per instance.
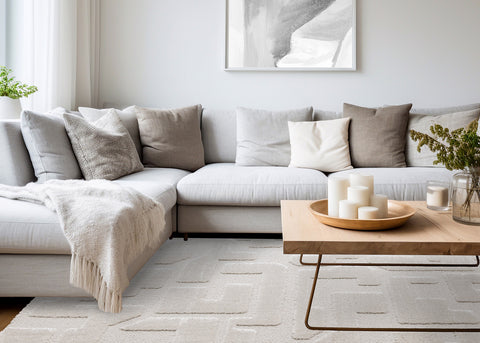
{"type": "Point", "coordinates": [426, 233]}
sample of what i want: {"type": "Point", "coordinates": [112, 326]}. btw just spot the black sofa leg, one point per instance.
{"type": "Point", "coordinates": [185, 236]}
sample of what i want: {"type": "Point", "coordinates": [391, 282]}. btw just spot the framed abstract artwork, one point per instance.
{"type": "Point", "coordinates": [290, 35]}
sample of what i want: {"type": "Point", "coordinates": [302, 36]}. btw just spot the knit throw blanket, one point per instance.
{"type": "Point", "coordinates": [107, 226]}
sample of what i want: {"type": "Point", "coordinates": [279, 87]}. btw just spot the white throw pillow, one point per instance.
{"type": "Point", "coordinates": [321, 145]}
{"type": "Point", "coordinates": [262, 136]}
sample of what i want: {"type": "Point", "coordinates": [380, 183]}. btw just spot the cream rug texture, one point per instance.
{"type": "Point", "coordinates": [246, 290]}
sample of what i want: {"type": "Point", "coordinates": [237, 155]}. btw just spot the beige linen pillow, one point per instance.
{"type": "Point", "coordinates": [377, 135]}
{"type": "Point", "coordinates": [104, 148]}
{"type": "Point", "coordinates": [262, 136]}
{"type": "Point", "coordinates": [127, 117]}
{"type": "Point", "coordinates": [422, 123]}
{"type": "Point", "coordinates": [171, 138]}
{"type": "Point", "coordinates": [321, 145]}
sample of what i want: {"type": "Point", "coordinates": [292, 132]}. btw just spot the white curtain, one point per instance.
{"type": "Point", "coordinates": [60, 53]}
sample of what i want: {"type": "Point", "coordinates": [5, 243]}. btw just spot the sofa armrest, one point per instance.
{"type": "Point", "coordinates": [15, 166]}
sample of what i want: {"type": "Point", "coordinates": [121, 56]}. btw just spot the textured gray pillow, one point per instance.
{"type": "Point", "coordinates": [171, 138]}
{"type": "Point", "coordinates": [127, 116]}
{"type": "Point", "coordinates": [49, 147]}
{"type": "Point", "coordinates": [436, 111]}
{"type": "Point", "coordinates": [377, 135]}
{"type": "Point", "coordinates": [104, 148]}
{"type": "Point", "coordinates": [422, 123]}
{"type": "Point", "coordinates": [263, 138]}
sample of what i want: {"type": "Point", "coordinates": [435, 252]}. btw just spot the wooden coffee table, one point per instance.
{"type": "Point", "coordinates": [426, 233]}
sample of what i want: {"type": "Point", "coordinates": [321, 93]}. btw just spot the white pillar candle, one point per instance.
{"type": "Point", "coordinates": [368, 212]}
{"type": "Point", "coordinates": [347, 209]}
{"type": "Point", "coordinates": [337, 190]}
{"type": "Point", "coordinates": [359, 194]}
{"type": "Point", "coordinates": [380, 201]}
{"type": "Point", "coordinates": [437, 196]}
{"type": "Point", "coordinates": [365, 180]}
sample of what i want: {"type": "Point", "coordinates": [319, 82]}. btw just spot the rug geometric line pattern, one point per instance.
{"type": "Point", "coordinates": [246, 290]}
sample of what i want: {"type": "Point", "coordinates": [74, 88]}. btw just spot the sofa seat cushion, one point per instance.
{"type": "Point", "coordinates": [27, 228]}
{"type": "Point", "coordinates": [225, 184]}
{"type": "Point", "coordinates": [164, 176]}
{"type": "Point", "coordinates": [407, 184]}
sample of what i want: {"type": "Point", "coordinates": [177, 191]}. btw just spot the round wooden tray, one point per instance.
{"type": "Point", "coordinates": [398, 214]}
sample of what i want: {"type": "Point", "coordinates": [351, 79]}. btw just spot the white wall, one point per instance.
{"type": "Point", "coordinates": [169, 53]}
{"type": "Point", "coordinates": [3, 35]}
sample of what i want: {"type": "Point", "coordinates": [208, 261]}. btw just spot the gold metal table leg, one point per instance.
{"type": "Point", "coordinates": [345, 328]}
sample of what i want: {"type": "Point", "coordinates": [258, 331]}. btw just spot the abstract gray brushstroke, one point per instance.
{"type": "Point", "coordinates": [270, 24]}
{"type": "Point", "coordinates": [292, 16]}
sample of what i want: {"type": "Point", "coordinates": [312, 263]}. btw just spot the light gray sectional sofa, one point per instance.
{"type": "Point", "coordinates": [219, 197]}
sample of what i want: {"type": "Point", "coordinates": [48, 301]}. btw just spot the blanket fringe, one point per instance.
{"type": "Point", "coordinates": [86, 275]}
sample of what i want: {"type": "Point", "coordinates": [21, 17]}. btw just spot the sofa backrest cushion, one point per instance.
{"type": "Point", "coordinates": [445, 110]}
{"type": "Point", "coordinates": [262, 135]}
{"type": "Point", "coordinates": [16, 167]}
{"type": "Point", "coordinates": [219, 135]}
{"type": "Point", "coordinates": [326, 115]}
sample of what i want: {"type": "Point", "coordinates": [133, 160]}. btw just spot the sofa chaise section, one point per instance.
{"type": "Point", "coordinates": [32, 243]}
{"type": "Point", "coordinates": [33, 246]}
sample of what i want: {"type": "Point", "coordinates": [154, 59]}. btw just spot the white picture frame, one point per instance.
{"type": "Point", "coordinates": [290, 35]}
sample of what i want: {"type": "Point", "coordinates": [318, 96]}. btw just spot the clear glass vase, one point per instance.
{"type": "Point", "coordinates": [466, 197]}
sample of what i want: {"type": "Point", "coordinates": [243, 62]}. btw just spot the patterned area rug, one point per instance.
{"type": "Point", "coordinates": [246, 290]}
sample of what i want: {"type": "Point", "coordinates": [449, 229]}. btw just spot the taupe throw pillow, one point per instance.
{"type": "Point", "coordinates": [422, 123]}
{"type": "Point", "coordinates": [171, 138]}
{"type": "Point", "coordinates": [377, 135]}
{"type": "Point", "coordinates": [263, 138]}
{"type": "Point", "coordinates": [104, 148]}
{"type": "Point", "coordinates": [49, 147]}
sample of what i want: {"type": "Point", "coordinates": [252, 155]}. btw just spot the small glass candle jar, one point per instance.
{"type": "Point", "coordinates": [438, 195]}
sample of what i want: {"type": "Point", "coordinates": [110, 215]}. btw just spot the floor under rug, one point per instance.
{"type": "Point", "coordinates": [246, 290]}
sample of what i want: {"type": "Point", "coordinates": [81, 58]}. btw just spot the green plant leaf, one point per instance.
{"type": "Point", "coordinates": [12, 88]}
{"type": "Point", "coordinates": [458, 149]}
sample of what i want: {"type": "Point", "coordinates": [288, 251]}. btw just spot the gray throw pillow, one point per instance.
{"type": "Point", "coordinates": [127, 116]}
{"type": "Point", "coordinates": [377, 135]}
{"type": "Point", "coordinates": [49, 147]}
{"type": "Point", "coordinates": [104, 148]}
{"type": "Point", "coordinates": [422, 123]}
{"type": "Point", "coordinates": [171, 138]}
{"type": "Point", "coordinates": [263, 138]}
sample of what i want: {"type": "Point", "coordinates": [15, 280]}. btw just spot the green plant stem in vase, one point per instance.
{"type": "Point", "coordinates": [457, 150]}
